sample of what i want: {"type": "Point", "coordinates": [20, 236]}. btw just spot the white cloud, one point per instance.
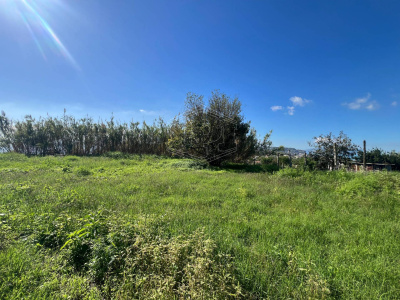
{"type": "Point", "coordinates": [394, 103]}
{"type": "Point", "coordinates": [276, 107]}
{"type": "Point", "coordinates": [148, 112]}
{"type": "Point", "coordinates": [290, 110]}
{"type": "Point", "coordinates": [363, 103]}
{"type": "Point", "coordinates": [373, 105]}
{"type": "Point", "coordinates": [298, 101]}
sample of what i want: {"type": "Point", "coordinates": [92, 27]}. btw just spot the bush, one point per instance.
{"type": "Point", "coordinates": [117, 155]}
{"type": "Point", "coordinates": [290, 172]}
{"type": "Point", "coordinates": [83, 171]}
{"type": "Point", "coordinates": [271, 168]}
{"type": "Point", "coordinates": [138, 261]}
{"type": "Point", "coordinates": [364, 185]}
{"type": "Point", "coordinates": [190, 164]}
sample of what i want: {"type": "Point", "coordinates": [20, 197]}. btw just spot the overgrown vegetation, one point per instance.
{"type": "Point", "coordinates": [217, 133]}
{"type": "Point", "coordinates": [377, 155]}
{"type": "Point", "coordinates": [83, 137]}
{"type": "Point", "coordinates": [146, 227]}
{"type": "Point", "coordinates": [325, 147]}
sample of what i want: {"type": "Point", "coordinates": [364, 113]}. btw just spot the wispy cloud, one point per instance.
{"type": "Point", "coordinates": [394, 103]}
{"type": "Point", "coordinates": [363, 103]}
{"type": "Point", "coordinates": [289, 110]}
{"type": "Point", "coordinates": [276, 108]}
{"type": "Point", "coordinates": [373, 105]}
{"type": "Point", "coordinates": [298, 101]}
{"type": "Point", "coordinates": [149, 112]}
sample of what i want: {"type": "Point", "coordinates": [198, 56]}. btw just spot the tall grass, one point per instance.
{"type": "Point", "coordinates": [151, 227]}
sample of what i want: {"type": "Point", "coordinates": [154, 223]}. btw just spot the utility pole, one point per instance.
{"type": "Point", "coordinates": [364, 156]}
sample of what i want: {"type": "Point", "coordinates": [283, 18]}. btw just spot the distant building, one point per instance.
{"type": "Point", "coordinates": [358, 166]}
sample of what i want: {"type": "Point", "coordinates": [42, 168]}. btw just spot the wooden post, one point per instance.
{"type": "Point", "coordinates": [364, 156]}
{"type": "Point", "coordinates": [278, 160]}
{"type": "Point", "coordinates": [305, 159]}
{"type": "Point", "coordinates": [334, 156]}
{"type": "Point", "coordinates": [290, 159]}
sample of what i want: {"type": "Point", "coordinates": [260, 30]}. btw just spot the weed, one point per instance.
{"type": "Point", "coordinates": [161, 228]}
{"type": "Point", "coordinates": [82, 171]}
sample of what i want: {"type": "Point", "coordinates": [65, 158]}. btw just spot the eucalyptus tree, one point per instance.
{"type": "Point", "coordinates": [6, 133]}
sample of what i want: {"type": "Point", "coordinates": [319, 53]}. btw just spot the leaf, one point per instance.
{"type": "Point", "coordinates": [81, 235]}
{"type": "Point", "coordinates": [79, 231]}
{"type": "Point", "coordinates": [66, 243]}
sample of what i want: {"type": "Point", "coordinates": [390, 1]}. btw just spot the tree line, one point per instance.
{"type": "Point", "coordinates": [213, 130]}
{"type": "Point", "coordinates": [376, 155]}
{"type": "Point", "coordinates": [330, 151]}
{"type": "Point", "coordinates": [70, 136]}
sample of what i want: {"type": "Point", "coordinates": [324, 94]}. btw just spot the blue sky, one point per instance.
{"type": "Point", "coordinates": [300, 68]}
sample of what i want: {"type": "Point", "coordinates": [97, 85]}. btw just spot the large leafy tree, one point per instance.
{"type": "Point", "coordinates": [324, 150]}
{"type": "Point", "coordinates": [215, 132]}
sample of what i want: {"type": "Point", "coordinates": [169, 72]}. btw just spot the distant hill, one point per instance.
{"type": "Point", "coordinates": [293, 151]}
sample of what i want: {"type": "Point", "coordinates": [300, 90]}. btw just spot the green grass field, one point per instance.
{"type": "Point", "coordinates": [157, 228]}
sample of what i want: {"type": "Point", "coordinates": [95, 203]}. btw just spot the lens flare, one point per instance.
{"type": "Point", "coordinates": [33, 35]}
{"type": "Point", "coordinates": [39, 29]}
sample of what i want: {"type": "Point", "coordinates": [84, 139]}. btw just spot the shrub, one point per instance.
{"type": "Point", "coordinates": [271, 168]}
{"type": "Point", "coordinates": [364, 185]}
{"type": "Point", "coordinates": [268, 160]}
{"type": "Point", "coordinates": [116, 155]}
{"type": "Point", "coordinates": [190, 164]}
{"type": "Point", "coordinates": [83, 172]}
{"type": "Point", "coordinates": [138, 261]}
{"type": "Point", "coordinates": [290, 172]}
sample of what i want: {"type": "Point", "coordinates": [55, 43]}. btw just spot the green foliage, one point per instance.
{"type": "Point", "coordinates": [190, 164]}
{"type": "Point", "coordinates": [377, 155]}
{"type": "Point", "coordinates": [290, 172]}
{"type": "Point", "coordinates": [69, 136]}
{"type": "Point", "coordinates": [6, 133]}
{"type": "Point", "coordinates": [169, 229]}
{"type": "Point", "coordinates": [117, 155]}
{"type": "Point", "coordinates": [270, 168]}
{"type": "Point", "coordinates": [82, 171]}
{"type": "Point", "coordinates": [324, 150]}
{"type": "Point", "coordinates": [264, 147]}
{"type": "Point", "coordinates": [135, 259]}
{"type": "Point", "coordinates": [364, 185]}
{"type": "Point", "coordinates": [268, 160]}
{"type": "Point", "coordinates": [216, 132]}
{"type": "Point", "coordinates": [182, 267]}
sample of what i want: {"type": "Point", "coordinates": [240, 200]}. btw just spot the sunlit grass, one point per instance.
{"type": "Point", "coordinates": [291, 234]}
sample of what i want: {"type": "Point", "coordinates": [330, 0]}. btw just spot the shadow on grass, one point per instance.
{"type": "Point", "coordinates": [247, 168]}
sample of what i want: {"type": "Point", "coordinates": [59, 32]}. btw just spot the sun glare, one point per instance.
{"type": "Point", "coordinates": [30, 13]}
